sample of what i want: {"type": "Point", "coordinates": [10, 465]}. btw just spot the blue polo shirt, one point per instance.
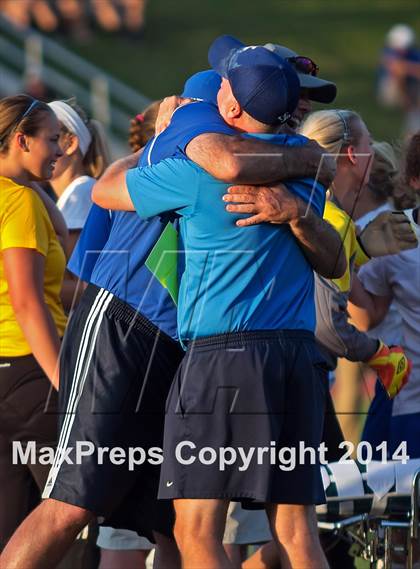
{"type": "Point", "coordinates": [92, 240]}
{"type": "Point", "coordinates": [235, 279]}
{"type": "Point", "coordinates": [121, 245]}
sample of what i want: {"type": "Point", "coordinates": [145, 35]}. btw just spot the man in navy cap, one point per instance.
{"type": "Point", "coordinates": [252, 380]}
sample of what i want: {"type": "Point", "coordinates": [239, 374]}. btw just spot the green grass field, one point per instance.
{"type": "Point", "coordinates": [343, 36]}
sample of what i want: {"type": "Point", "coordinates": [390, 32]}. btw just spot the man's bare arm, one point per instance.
{"type": "Point", "coordinates": [319, 241]}
{"type": "Point", "coordinates": [229, 158]}
{"type": "Point", "coordinates": [240, 160]}
{"type": "Point", "coordinates": [321, 245]}
{"type": "Point", "coordinates": [110, 191]}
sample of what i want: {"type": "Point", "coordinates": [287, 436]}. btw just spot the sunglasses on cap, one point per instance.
{"type": "Point", "coordinates": [304, 65]}
{"type": "Point", "coordinates": [19, 119]}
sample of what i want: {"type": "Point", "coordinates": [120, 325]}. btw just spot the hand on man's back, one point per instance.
{"type": "Point", "coordinates": [267, 204]}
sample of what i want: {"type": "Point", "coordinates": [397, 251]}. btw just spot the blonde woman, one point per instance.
{"type": "Point", "coordinates": [32, 318]}
{"type": "Point", "coordinates": [344, 134]}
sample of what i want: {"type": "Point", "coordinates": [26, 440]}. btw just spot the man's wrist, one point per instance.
{"type": "Point", "coordinates": [304, 215]}
{"type": "Point", "coordinates": [292, 163]}
{"type": "Point", "coordinates": [311, 156]}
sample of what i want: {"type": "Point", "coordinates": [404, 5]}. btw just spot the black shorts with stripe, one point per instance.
{"type": "Point", "coordinates": [116, 368]}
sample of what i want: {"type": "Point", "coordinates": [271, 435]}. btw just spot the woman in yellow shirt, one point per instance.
{"type": "Point", "coordinates": [32, 319]}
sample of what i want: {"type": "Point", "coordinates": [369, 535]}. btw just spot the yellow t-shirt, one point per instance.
{"type": "Point", "coordinates": [24, 222]}
{"type": "Point", "coordinates": [344, 225]}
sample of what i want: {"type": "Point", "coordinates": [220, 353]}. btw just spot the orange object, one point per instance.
{"type": "Point", "coordinates": [392, 366]}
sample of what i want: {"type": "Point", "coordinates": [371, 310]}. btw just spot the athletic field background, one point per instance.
{"type": "Point", "coordinates": [343, 36]}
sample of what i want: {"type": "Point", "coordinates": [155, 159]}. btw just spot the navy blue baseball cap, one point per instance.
{"type": "Point", "coordinates": [203, 86]}
{"type": "Point", "coordinates": [264, 84]}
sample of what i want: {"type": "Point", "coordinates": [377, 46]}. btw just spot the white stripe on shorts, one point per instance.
{"type": "Point", "coordinates": [87, 344]}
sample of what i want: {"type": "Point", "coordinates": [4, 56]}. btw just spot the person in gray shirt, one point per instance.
{"type": "Point", "coordinates": [396, 278]}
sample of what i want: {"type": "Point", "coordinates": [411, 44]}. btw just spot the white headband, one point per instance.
{"type": "Point", "coordinates": [72, 121]}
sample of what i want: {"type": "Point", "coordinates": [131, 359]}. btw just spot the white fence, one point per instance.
{"type": "Point", "coordinates": [25, 54]}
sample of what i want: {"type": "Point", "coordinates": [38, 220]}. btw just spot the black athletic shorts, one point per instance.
{"type": "Point", "coordinates": [263, 392]}
{"type": "Point", "coordinates": [28, 418]}
{"type": "Point", "coordinates": [116, 369]}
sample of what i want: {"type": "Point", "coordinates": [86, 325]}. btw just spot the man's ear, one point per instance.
{"type": "Point", "coordinates": [234, 109]}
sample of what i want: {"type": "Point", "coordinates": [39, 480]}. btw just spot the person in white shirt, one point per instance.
{"type": "Point", "coordinates": [85, 157]}
{"type": "Point", "coordinates": [396, 278]}
{"type": "Point", "coordinates": [378, 197]}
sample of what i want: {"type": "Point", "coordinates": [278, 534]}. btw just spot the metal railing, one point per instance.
{"type": "Point", "coordinates": [27, 53]}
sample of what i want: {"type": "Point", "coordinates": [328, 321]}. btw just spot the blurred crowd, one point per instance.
{"type": "Point", "coordinates": [398, 83]}
{"type": "Point", "coordinates": [77, 17]}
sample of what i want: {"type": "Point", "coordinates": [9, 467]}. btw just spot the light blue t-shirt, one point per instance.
{"type": "Point", "coordinates": [235, 279]}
